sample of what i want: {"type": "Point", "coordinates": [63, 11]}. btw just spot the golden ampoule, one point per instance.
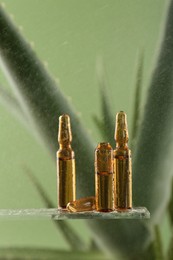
{"type": "Point", "coordinates": [65, 164]}
{"type": "Point", "coordinates": [122, 164]}
{"type": "Point", "coordinates": [104, 177]}
{"type": "Point", "coordinates": [83, 204]}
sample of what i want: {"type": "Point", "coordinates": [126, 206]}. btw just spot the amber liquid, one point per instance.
{"type": "Point", "coordinates": [83, 204]}
{"type": "Point", "coordinates": [66, 181]}
{"type": "Point", "coordinates": [123, 176]}
{"type": "Point", "coordinates": [104, 191]}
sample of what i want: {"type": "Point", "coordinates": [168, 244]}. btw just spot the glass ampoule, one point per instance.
{"type": "Point", "coordinates": [122, 164]}
{"type": "Point", "coordinates": [83, 204]}
{"type": "Point", "coordinates": [66, 176]}
{"type": "Point", "coordinates": [104, 177]}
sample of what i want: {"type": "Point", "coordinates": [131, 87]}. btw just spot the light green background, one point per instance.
{"type": "Point", "coordinates": [70, 35]}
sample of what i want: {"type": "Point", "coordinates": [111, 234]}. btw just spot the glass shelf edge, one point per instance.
{"type": "Point", "coordinates": [59, 214]}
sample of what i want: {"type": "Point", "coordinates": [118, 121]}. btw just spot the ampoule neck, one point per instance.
{"type": "Point", "coordinates": [121, 145]}
{"type": "Point", "coordinates": [65, 145]}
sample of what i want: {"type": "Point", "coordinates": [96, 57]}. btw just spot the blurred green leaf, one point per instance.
{"type": "Point", "coordinates": [48, 203]}
{"type": "Point", "coordinates": [106, 124]}
{"type": "Point", "coordinates": [121, 238]}
{"type": "Point", "coordinates": [46, 254]}
{"type": "Point", "coordinates": [157, 244]}
{"type": "Point", "coordinates": [99, 125]}
{"type": "Point", "coordinates": [11, 104]}
{"type": "Point", "coordinates": [170, 249]}
{"type": "Point", "coordinates": [70, 235]}
{"type": "Point", "coordinates": [93, 246]}
{"type": "Point", "coordinates": [170, 205]}
{"type": "Point", "coordinates": [153, 157]}
{"type": "Point", "coordinates": [155, 249]}
{"type": "Point", "coordinates": [137, 100]}
{"type": "Point", "coordinates": [148, 254]}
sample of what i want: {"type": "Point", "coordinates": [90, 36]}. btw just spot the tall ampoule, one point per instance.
{"type": "Point", "coordinates": [66, 179]}
{"type": "Point", "coordinates": [104, 177]}
{"type": "Point", "coordinates": [122, 164]}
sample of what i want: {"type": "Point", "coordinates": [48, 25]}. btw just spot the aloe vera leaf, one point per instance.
{"type": "Point", "coordinates": [99, 125]}
{"type": "Point", "coordinates": [11, 104]}
{"type": "Point", "coordinates": [170, 248]}
{"type": "Point", "coordinates": [127, 238]}
{"type": "Point", "coordinates": [157, 244]}
{"type": "Point", "coordinates": [137, 101]}
{"type": "Point", "coordinates": [148, 253]}
{"type": "Point", "coordinates": [155, 249]}
{"type": "Point", "coordinates": [46, 253]}
{"type": "Point", "coordinates": [9, 100]}
{"type": "Point", "coordinates": [153, 156]}
{"type": "Point", "coordinates": [42, 101]}
{"type": "Point", "coordinates": [108, 121]}
{"type": "Point", "coordinates": [170, 205]}
{"type": "Point", "coordinates": [70, 235]}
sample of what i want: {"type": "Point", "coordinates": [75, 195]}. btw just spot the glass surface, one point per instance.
{"type": "Point", "coordinates": [59, 214]}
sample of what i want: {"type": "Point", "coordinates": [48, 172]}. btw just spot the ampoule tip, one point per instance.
{"type": "Point", "coordinates": [64, 134]}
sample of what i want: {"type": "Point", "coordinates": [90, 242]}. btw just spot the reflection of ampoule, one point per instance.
{"type": "Point", "coordinates": [104, 177]}
{"type": "Point", "coordinates": [122, 164]}
{"type": "Point", "coordinates": [83, 204]}
{"type": "Point", "coordinates": [65, 164]}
